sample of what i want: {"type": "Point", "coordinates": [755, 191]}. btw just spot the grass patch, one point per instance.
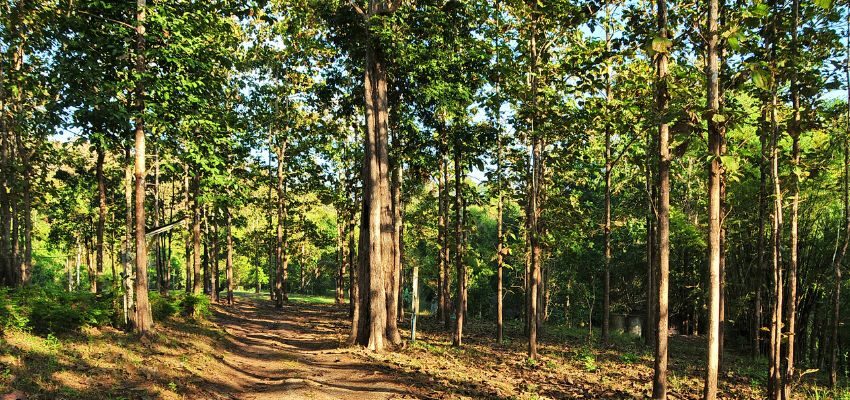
{"type": "Point", "coordinates": [311, 298]}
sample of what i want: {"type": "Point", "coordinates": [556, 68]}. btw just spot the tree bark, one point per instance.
{"type": "Point", "coordinates": [715, 140]}
{"type": "Point", "coordinates": [370, 324]}
{"type": "Point", "coordinates": [197, 282]}
{"type": "Point", "coordinates": [794, 132]}
{"type": "Point", "coordinates": [606, 299]}
{"type": "Point", "coordinates": [659, 386]}
{"type": "Point", "coordinates": [443, 235]}
{"type": "Point", "coordinates": [460, 268]}
{"type": "Point", "coordinates": [500, 244]}
{"type": "Point", "coordinates": [144, 322]}
{"type": "Point", "coordinates": [229, 272]}
{"type": "Point", "coordinates": [280, 248]}
{"type": "Point", "coordinates": [187, 235]}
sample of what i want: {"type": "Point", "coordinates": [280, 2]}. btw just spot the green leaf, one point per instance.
{"type": "Point", "coordinates": [761, 78]}
{"type": "Point", "coordinates": [825, 4]}
{"type": "Point", "coordinates": [661, 44]}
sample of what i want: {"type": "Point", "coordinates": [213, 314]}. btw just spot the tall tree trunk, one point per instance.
{"type": "Point", "coordinates": [187, 233]}
{"type": "Point", "coordinates": [214, 281]}
{"type": "Point", "coordinates": [207, 243]}
{"type": "Point", "coordinates": [157, 244]}
{"type": "Point", "coordinates": [26, 213]}
{"type": "Point", "coordinates": [500, 244]}
{"type": "Point", "coordinates": [197, 283]}
{"type": "Point", "coordinates": [126, 245]}
{"type": "Point", "coordinates": [394, 276]}
{"type": "Point", "coordinates": [340, 257]}
{"type": "Point", "coordinates": [836, 264]}
{"type": "Point", "coordinates": [143, 323]}
{"type": "Point", "coordinates": [649, 335]}
{"type": "Point", "coordinates": [606, 293]}
{"type": "Point", "coordinates": [794, 132]}
{"type": "Point", "coordinates": [101, 210]}
{"type": "Point", "coordinates": [352, 267]}
{"type": "Point", "coordinates": [535, 189]}
{"type": "Point", "coordinates": [5, 208]}
{"type": "Point", "coordinates": [229, 272]}
{"type": "Point", "coordinates": [715, 140]}
{"type": "Point", "coordinates": [776, 381]}
{"type": "Point", "coordinates": [377, 272]}
{"type": "Point", "coordinates": [460, 307]}
{"type": "Point", "coordinates": [442, 232]}
{"type": "Point", "coordinates": [659, 386]}
{"type": "Point", "coordinates": [280, 250]}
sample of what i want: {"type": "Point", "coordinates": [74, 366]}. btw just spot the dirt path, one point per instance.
{"type": "Point", "coordinates": [295, 353]}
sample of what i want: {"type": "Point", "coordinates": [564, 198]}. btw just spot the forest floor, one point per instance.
{"type": "Point", "coordinates": [253, 351]}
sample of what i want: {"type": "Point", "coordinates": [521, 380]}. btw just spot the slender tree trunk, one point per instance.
{"type": "Point", "coordinates": [443, 233]}
{"type": "Point", "coordinates": [126, 245]}
{"type": "Point", "coordinates": [340, 258]}
{"type": "Point", "coordinates": [606, 299]}
{"type": "Point", "coordinates": [460, 307]}
{"type": "Point", "coordinates": [776, 381]}
{"type": "Point", "coordinates": [214, 280]}
{"type": "Point", "coordinates": [393, 206]}
{"type": "Point", "coordinates": [5, 208]}
{"type": "Point", "coordinates": [280, 295]}
{"type": "Point", "coordinates": [143, 321]}
{"type": "Point", "coordinates": [500, 244]}
{"type": "Point", "coordinates": [352, 267]}
{"type": "Point", "coordinates": [534, 198]}
{"type": "Point", "coordinates": [794, 131]}
{"type": "Point", "coordinates": [649, 336]}
{"type": "Point", "coordinates": [715, 140]}
{"type": "Point", "coordinates": [659, 386]}
{"type": "Point", "coordinates": [187, 235]}
{"type": "Point", "coordinates": [229, 273]}
{"type": "Point", "coordinates": [197, 283]}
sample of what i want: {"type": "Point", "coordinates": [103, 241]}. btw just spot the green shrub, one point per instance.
{"type": "Point", "coordinates": [195, 306]}
{"type": "Point", "coordinates": [59, 312]}
{"type": "Point", "coordinates": [50, 310]}
{"type": "Point", "coordinates": [12, 315]}
{"type": "Point", "coordinates": [163, 308]}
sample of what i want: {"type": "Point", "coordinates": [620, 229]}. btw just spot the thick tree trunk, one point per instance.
{"type": "Point", "coordinates": [659, 386]}
{"type": "Point", "coordinates": [370, 325]}
{"type": "Point", "coordinates": [715, 140]}
{"type": "Point", "coordinates": [143, 320]}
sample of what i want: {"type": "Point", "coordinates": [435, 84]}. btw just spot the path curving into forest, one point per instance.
{"type": "Point", "coordinates": [297, 353]}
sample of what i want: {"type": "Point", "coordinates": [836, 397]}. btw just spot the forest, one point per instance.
{"type": "Point", "coordinates": [435, 199]}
